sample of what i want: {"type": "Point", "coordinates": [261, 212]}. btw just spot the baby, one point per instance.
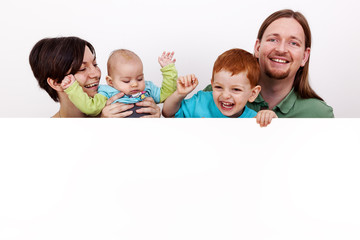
{"type": "Point", "coordinates": [125, 74]}
{"type": "Point", "coordinates": [234, 81]}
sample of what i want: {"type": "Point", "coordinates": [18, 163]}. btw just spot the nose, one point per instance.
{"type": "Point", "coordinates": [226, 94]}
{"type": "Point", "coordinates": [134, 83]}
{"type": "Point", "coordinates": [281, 47]}
{"type": "Point", "coordinates": [94, 72]}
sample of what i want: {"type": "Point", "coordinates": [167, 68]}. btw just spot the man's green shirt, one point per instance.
{"type": "Point", "coordinates": [292, 106]}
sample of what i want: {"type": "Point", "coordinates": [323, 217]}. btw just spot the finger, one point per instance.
{"type": "Point", "coordinates": [154, 112]}
{"type": "Point", "coordinates": [193, 78]}
{"type": "Point", "coordinates": [262, 120]}
{"type": "Point", "coordinates": [147, 102]}
{"type": "Point", "coordinates": [122, 114]}
{"type": "Point", "coordinates": [119, 107]}
{"type": "Point", "coordinates": [113, 98]}
{"type": "Point", "coordinates": [196, 81]}
{"type": "Point", "coordinates": [267, 118]}
{"type": "Point", "coordinates": [190, 80]}
{"type": "Point", "coordinates": [258, 118]}
{"type": "Point", "coordinates": [150, 110]}
{"type": "Point", "coordinates": [187, 80]}
{"type": "Point", "coordinates": [181, 80]}
{"type": "Point", "coordinates": [117, 110]}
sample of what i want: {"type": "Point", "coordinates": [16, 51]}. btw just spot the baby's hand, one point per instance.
{"type": "Point", "coordinates": [186, 84]}
{"type": "Point", "coordinates": [67, 81]}
{"type": "Point", "coordinates": [166, 59]}
{"type": "Point", "coordinates": [264, 117]}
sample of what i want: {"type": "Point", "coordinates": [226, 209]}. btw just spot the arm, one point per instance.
{"type": "Point", "coordinates": [169, 73]}
{"type": "Point", "coordinates": [88, 105]}
{"type": "Point", "coordinates": [185, 85]}
{"type": "Point", "coordinates": [264, 117]}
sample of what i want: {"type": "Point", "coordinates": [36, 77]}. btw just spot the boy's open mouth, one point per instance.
{"type": "Point", "coordinates": [226, 105]}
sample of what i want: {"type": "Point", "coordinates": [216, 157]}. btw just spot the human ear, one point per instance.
{"type": "Point", "coordinates": [109, 80]}
{"type": "Point", "coordinates": [306, 57]}
{"type": "Point", "coordinates": [257, 48]}
{"type": "Point", "coordinates": [254, 93]}
{"type": "Point", "coordinates": [54, 84]}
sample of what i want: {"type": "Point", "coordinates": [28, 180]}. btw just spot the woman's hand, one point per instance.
{"type": "Point", "coordinates": [149, 106]}
{"type": "Point", "coordinates": [116, 110]}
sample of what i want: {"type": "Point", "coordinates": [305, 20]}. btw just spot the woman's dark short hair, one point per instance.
{"type": "Point", "coordinates": [55, 58]}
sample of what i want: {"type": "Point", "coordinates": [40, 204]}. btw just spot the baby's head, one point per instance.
{"type": "Point", "coordinates": [234, 81]}
{"type": "Point", "coordinates": [125, 72]}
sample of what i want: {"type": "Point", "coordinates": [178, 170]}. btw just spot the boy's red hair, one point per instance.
{"type": "Point", "coordinates": [236, 61]}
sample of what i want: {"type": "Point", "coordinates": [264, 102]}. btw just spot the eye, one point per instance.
{"type": "Point", "coordinates": [217, 87]}
{"type": "Point", "coordinates": [294, 44]}
{"type": "Point", "coordinates": [82, 69]}
{"type": "Point", "coordinates": [237, 89]}
{"type": "Point", "coordinates": [271, 40]}
{"type": "Point", "coordinates": [140, 79]}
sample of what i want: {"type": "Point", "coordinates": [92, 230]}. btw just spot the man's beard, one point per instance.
{"type": "Point", "coordinates": [277, 74]}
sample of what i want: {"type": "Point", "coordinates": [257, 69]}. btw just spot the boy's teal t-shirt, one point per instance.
{"type": "Point", "coordinates": [202, 105]}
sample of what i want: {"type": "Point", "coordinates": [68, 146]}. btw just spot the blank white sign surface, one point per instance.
{"type": "Point", "coordinates": [179, 179]}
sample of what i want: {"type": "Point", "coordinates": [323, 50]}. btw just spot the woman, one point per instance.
{"type": "Point", "coordinates": [51, 59]}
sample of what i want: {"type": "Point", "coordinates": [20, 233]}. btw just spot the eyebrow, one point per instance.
{"type": "Point", "coordinates": [128, 77]}
{"type": "Point", "coordinates": [278, 35]}
{"type": "Point", "coordinates": [231, 86]}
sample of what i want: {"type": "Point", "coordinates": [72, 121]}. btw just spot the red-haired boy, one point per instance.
{"type": "Point", "coordinates": [234, 81]}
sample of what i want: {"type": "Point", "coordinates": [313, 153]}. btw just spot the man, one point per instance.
{"type": "Point", "coordinates": [283, 51]}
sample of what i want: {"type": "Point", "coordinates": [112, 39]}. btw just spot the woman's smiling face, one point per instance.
{"type": "Point", "coordinates": [89, 74]}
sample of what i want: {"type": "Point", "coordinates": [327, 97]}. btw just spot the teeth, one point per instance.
{"type": "Point", "coordinates": [227, 104]}
{"type": "Point", "coordinates": [279, 60]}
{"type": "Point", "coordinates": [91, 85]}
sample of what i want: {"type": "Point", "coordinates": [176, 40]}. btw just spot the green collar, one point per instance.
{"type": "Point", "coordinates": [285, 105]}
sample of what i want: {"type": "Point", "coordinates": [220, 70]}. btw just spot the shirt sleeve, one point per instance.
{"type": "Point", "coordinates": [91, 106]}
{"type": "Point", "coordinates": [168, 85]}
{"type": "Point", "coordinates": [188, 107]}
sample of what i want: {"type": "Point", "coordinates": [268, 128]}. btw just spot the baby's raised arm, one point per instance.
{"type": "Point", "coordinates": [185, 85]}
{"type": "Point", "coordinates": [166, 59]}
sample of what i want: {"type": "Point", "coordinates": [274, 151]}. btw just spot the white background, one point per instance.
{"type": "Point", "coordinates": [198, 31]}
{"type": "Point", "coordinates": [166, 179]}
